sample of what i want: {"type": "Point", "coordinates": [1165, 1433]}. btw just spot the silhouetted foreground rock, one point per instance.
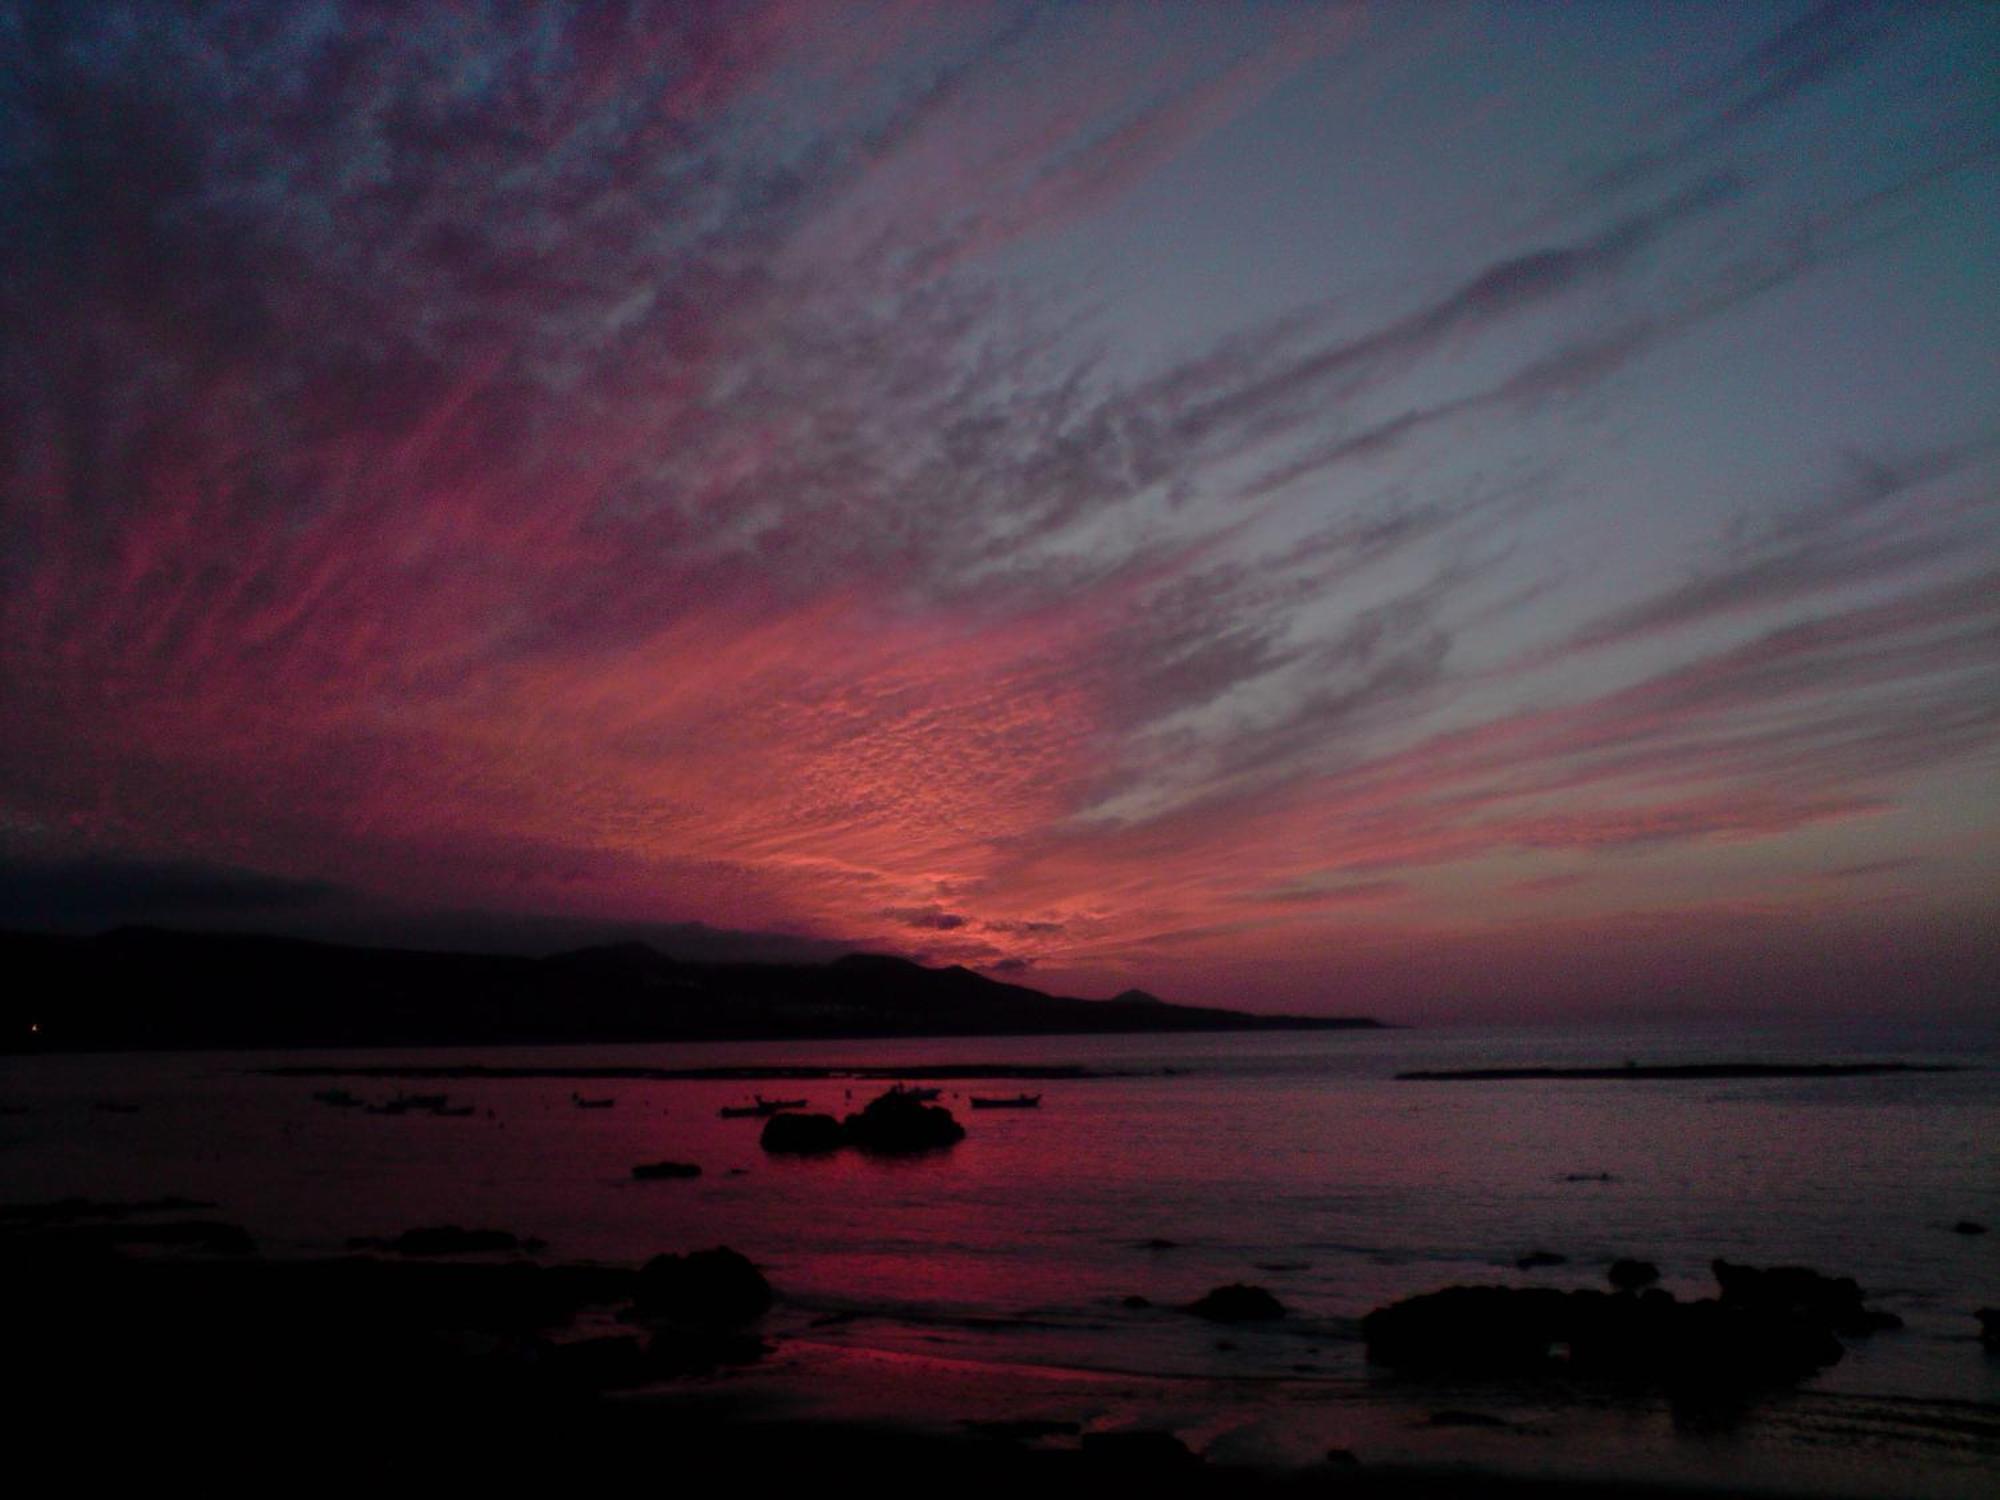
{"type": "Point", "coordinates": [1631, 1275]}
{"type": "Point", "coordinates": [709, 1289]}
{"type": "Point", "coordinates": [894, 1123]}
{"type": "Point", "coordinates": [1768, 1327]}
{"type": "Point", "coordinates": [1134, 1455]}
{"type": "Point", "coordinates": [1989, 1327]}
{"type": "Point", "coordinates": [177, 1338]}
{"type": "Point", "coordinates": [1238, 1303]}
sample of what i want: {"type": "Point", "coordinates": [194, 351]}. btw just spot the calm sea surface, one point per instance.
{"type": "Point", "coordinates": [1292, 1160]}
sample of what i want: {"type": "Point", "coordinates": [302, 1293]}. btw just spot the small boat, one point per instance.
{"type": "Point", "coordinates": [922, 1096]}
{"type": "Point", "coordinates": [338, 1098]}
{"type": "Point", "coordinates": [582, 1103]}
{"type": "Point", "coordinates": [740, 1111]}
{"type": "Point", "coordinates": [1017, 1101]}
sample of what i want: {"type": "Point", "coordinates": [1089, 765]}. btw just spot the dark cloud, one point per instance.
{"type": "Point", "coordinates": [1805, 54]}
{"type": "Point", "coordinates": [1878, 522]}
{"type": "Point", "coordinates": [1504, 289]}
{"type": "Point", "coordinates": [931, 918]}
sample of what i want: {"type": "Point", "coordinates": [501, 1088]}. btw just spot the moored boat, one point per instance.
{"type": "Point", "coordinates": [1016, 1101]}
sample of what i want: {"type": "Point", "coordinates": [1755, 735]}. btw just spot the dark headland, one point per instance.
{"type": "Point", "coordinates": [140, 988]}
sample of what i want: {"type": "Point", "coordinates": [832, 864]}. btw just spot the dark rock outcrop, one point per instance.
{"type": "Point", "coordinates": [614, 1362]}
{"type": "Point", "coordinates": [1021, 1429]}
{"type": "Point", "coordinates": [898, 1122]}
{"type": "Point", "coordinates": [1238, 1303]}
{"type": "Point", "coordinates": [447, 1239]}
{"type": "Point", "coordinates": [802, 1135]}
{"type": "Point", "coordinates": [1631, 1275]}
{"type": "Point", "coordinates": [1989, 1327]}
{"type": "Point", "coordinates": [1470, 1329]}
{"type": "Point", "coordinates": [1142, 1455]}
{"type": "Point", "coordinates": [89, 1241]}
{"type": "Point", "coordinates": [696, 1351]}
{"type": "Point", "coordinates": [1768, 1327]}
{"type": "Point", "coordinates": [1801, 1295]}
{"type": "Point", "coordinates": [708, 1289]}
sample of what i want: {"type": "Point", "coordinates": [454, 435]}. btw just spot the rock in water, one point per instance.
{"type": "Point", "coordinates": [1238, 1303]}
{"type": "Point", "coordinates": [802, 1135]}
{"type": "Point", "coordinates": [898, 1122]}
{"type": "Point", "coordinates": [1829, 1302]}
{"type": "Point", "coordinates": [1468, 1328]}
{"type": "Point", "coordinates": [1769, 1327]}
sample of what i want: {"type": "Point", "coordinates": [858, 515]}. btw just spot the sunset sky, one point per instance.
{"type": "Point", "coordinates": [1442, 510]}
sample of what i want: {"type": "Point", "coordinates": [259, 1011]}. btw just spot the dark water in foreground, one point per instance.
{"type": "Point", "coordinates": [1289, 1160]}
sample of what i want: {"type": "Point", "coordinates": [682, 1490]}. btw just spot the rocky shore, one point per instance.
{"type": "Point", "coordinates": [451, 1353]}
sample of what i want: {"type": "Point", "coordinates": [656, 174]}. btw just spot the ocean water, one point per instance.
{"type": "Point", "coordinates": [1292, 1160]}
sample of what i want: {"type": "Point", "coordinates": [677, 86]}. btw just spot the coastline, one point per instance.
{"type": "Point", "coordinates": [954, 1426]}
{"type": "Point", "coordinates": [485, 1369]}
{"type": "Point", "coordinates": [984, 1285]}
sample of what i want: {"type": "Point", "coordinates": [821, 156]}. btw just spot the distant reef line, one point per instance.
{"type": "Point", "coordinates": [1636, 1073]}
{"type": "Point", "coordinates": [147, 988]}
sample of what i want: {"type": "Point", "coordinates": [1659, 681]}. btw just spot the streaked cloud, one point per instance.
{"type": "Point", "coordinates": [683, 464]}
